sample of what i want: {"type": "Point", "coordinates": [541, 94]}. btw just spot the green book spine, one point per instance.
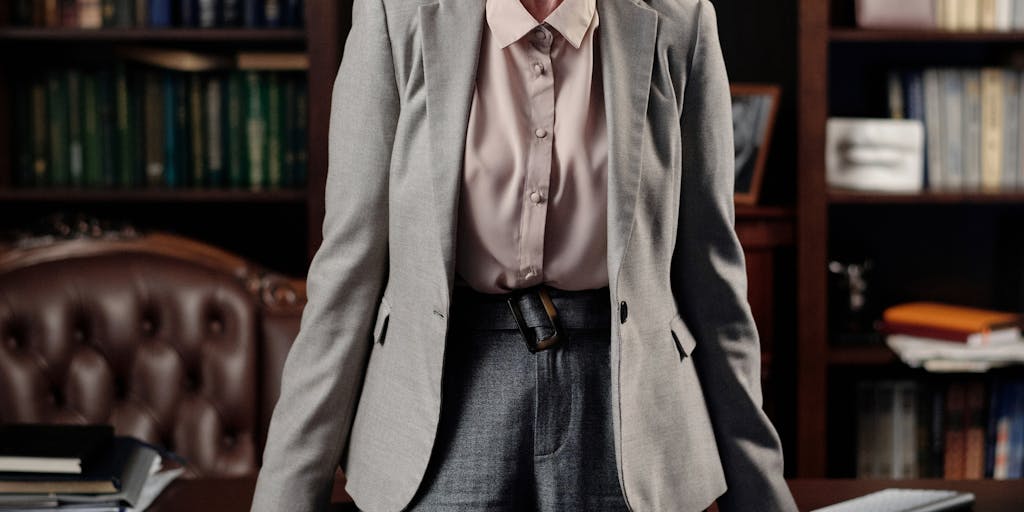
{"type": "Point", "coordinates": [40, 133]}
{"type": "Point", "coordinates": [288, 132]}
{"type": "Point", "coordinates": [109, 12]}
{"type": "Point", "coordinates": [170, 131]}
{"type": "Point", "coordinates": [58, 94]}
{"type": "Point", "coordinates": [235, 130]}
{"type": "Point", "coordinates": [302, 138]}
{"type": "Point", "coordinates": [274, 156]}
{"type": "Point", "coordinates": [256, 128]}
{"type": "Point", "coordinates": [214, 119]}
{"type": "Point", "coordinates": [196, 130]}
{"type": "Point", "coordinates": [75, 142]}
{"type": "Point", "coordinates": [154, 128]}
{"type": "Point", "coordinates": [124, 13]}
{"type": "Point", "coordinates": [181, 125]}
{"type": "Point", "coordinates": [23, 176]}
{"type": "Point", "coordinates": [122, 138]}
{"type": "Point", "coordinates": [91, 128]}
{"type": "Point", "coordinates": [108, 123]}
{"type": "Point", "coordinates": [137, 125]}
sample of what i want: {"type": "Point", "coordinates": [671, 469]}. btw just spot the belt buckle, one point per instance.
{"type": "Point", "coordinates": [549, 308]}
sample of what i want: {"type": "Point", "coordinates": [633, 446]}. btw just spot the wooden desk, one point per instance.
{"type": "Point", "coordinates": [235, 494]}
{"type": "Point", "coordinates": [990, 495]}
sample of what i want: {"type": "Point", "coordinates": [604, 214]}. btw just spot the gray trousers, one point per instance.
{"type": "Point", "coordinates": [522, 430]}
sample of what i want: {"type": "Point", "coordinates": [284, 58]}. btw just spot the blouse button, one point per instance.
{"type": "Point", "coordinates": [541, 133]}
{"type": "Point", "coordinates": [536, 197]}
{"type": "Point", "coordinates": [538, 68]}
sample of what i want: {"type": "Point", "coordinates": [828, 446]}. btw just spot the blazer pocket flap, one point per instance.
{"type": "Point", "coordinates": [380, 325]}
{"type": "Point", "coordinates": [685, 342]}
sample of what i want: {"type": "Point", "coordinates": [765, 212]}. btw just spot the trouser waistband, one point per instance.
{"type": "Point", "coordinates": [576, 309]}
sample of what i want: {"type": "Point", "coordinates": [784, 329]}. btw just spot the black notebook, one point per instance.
{"type": "Point", "coordinates": [49, 448]}
{"type": "Point", "coordinates": [104, 472]}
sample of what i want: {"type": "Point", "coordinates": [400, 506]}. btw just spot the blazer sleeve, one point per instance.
{"type": "Point", "coordinates": [325, 366]}
{"type": "Point", "coordinates": [709, 284]}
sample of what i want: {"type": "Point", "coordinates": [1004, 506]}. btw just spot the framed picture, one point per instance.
{"type": "Point", "coordinates": [754, 108]}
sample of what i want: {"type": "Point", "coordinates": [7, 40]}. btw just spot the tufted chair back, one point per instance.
{"type": "Point", "coordinates": [170, 340]}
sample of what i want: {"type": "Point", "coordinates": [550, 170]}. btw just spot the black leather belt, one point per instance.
{"type": "Point", "coordinates": [540, 313]}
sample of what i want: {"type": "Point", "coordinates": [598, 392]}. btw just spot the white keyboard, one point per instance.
{"type": "Point", "coordinates": [904, 500]}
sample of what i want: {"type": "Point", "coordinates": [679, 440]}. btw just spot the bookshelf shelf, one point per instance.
{"type": "Point", "coordinates": [857, 35]}
{"type": "Point", "coordinates": [925, 197]}
{"type": "Point", "coordinates": [870, 355]}
{"type": "Point", "coordinates": [174, 35]}
{"type": "Point", "coordinates": [32, 48]}
{"type": "Point", "coordinates": [183, 195]}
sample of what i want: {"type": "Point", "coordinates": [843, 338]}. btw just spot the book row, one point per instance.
{"type": "Point", "coordinates": [94, 14]}
{"type": "Point", "coordinates": [126, 126]}
{"type": "Point", "coordinates": [968, 428]}
{"type": "Point", "coordinates": [978, 15]}
{"type": "Point", "coordinates": [973, 119]}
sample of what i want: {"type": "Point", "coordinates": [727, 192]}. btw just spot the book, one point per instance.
{"type": "Point", "coordinates": [955, 432]}
{"type": "Point", "coordinates": [45, 448]}
{"type": "Point", "coordinates": [57, 101]}
{"type": "Point", "coordinates": [153, 126]}
{"type": "Point", "coordinates": [972, 129]}
{"type": "Point", "coordinates": [1011, 129]}
{"type": "Point", "coordinates": [992, 126]}
{"type": "Point", "coordinates": [214, 117]}
{"type": "Point", "coordinates": [974, 431]}
{"type": "Point", "coordinates": [905, 432]}
{"type": "Point", "coordinates": [173, 59]}
{"type": "Point", "coordinates": [973, 326]}
{"type": "Point", "coordinates": [952, 127]}
{"type": "Point", "coordinates": [256, 128]}
{"type": "Point", "coordinates": [160, 13]}
{"type": "Point", "coordinates": [76, 133]}
{"type": "Point", "coordinates": [121, 471]}
{"type": "Point", "coordinates": [935, 161]}
{"type": "Point", "coordinates": [272, 61]}
{"type": "Point", "coordinates": [866, 413]}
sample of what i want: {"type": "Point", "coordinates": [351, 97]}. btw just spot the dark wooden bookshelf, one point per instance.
{"type": "Point", "coordinates": [925, 197]}
{"type": "Point", "coordinates": [868, 355]}
{"type": "Point", "coordinates": [858, 35]}
{"type": "Point", "coordinates": [163, 195]}
{"type": "Point", "coordinates": [932, 244]}
{"type": "Point", "coordinates": [173, 35]}
{"type": "Point", "coordinates": [271, 234]}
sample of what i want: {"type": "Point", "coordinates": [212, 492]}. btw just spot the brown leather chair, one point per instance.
{"type": "Point", "coordinates": [170, 340]}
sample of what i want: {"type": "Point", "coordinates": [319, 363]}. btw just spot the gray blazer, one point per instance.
{"type": "Point", "coordinates": [362, 383]}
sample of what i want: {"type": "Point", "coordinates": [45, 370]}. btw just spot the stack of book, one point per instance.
{"type": "Point", "coordinates": [951, 15]}
{"type": "Point", "coordinates": [132, 125]}
{"type": "Point", "coordinates": [947, 337]}
{"type": "Point", "coordinates": [68, 466]}
{"type": "Point", "coordinates": [964, 427]}
{"type": "Point", "coordinates": [972, 118]}
{"type": "Point", "coordinates": [94, 14]}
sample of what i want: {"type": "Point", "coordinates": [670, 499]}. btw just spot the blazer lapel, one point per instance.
{"type": "Point", "coordinates": [627, 36]}
{"type": "Point", "coordinates": [451, 46]}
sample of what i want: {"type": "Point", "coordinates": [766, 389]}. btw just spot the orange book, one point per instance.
{"type": "Point", "coordinates": [948, 317]}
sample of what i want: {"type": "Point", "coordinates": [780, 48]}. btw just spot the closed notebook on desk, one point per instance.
{"type": "Point", "coordinates": [104, 473]}
{"type": "Point", "coordinates": [46, 448]}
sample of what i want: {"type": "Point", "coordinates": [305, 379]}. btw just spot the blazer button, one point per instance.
{"type": "Point", "coordinates": [623, 312]}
